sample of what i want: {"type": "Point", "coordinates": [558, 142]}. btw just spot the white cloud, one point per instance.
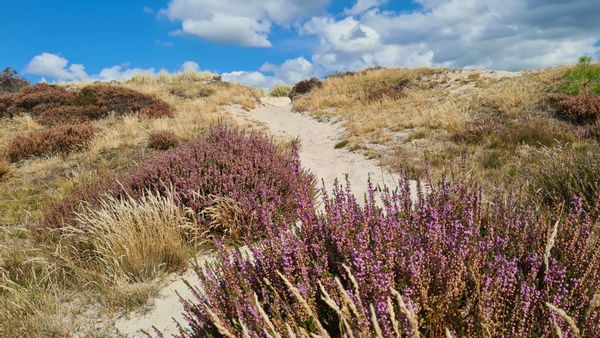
{"type": "Point", "coordinates": [291, 71]}
{"type": "Point", "coordinates": [242, 22]}
{"type": "Point", "coordinates": [253, 79]}
{"type": "Point", "coordinates": [190, 66]}
{"type": "Point", "coordinates": [57, 68]}
{"type": "Point", "coordinates": [511, 34]}
{"type": "Point", "coordinates": [120, 73]}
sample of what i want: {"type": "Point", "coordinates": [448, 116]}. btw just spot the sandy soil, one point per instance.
{"type": "Point", "coordinates": [317, 145]}
{"type": "Point", "coordinates": [317, 153]}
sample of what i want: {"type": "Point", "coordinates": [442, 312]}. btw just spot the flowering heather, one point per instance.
{"type": "Point", "coordinates": [261, 179]}
{"type": "Point", "coordinates": [448, 264]}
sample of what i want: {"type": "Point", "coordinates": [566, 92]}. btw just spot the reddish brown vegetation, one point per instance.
{"type": "Point", "coordinates": [162, 140]}
{"type": "Point", "coordinates": [10, 82]}
{"type": "Point", "coordinates": [304, 87]}
{"type": "Point", "coordinates": [53, 105]}
{"type": "Point", "coordinates": [61, 139]}
{"type": "Point", "coordinates": [582, 108]}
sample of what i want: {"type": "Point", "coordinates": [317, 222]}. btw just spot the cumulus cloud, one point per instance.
{"type": "Point", "coordinates": [54, 67]}
{"type": "Point", "coordinates": [241, 22]}
{"type": "Point", "coordinates": [253, 79]}
{"type": "Point", "coordinates": [510, 35]}
{"type": "Point", "coordinates": [190, 66]}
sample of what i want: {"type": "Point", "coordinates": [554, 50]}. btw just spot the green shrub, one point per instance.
{"type": "Point", "coordinates": [583, 79]}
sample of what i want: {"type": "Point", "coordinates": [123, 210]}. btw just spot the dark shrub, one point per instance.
{"type": "Point", "coordinates": [32, 96]}
{"type": "Point", "coordinates": [10, 82]}
{"type": "Point", "coordinates": [52, 105]}
{"type": "Point", "coordinates": [52, 115]}
{"type": "Point", "coordinates": [304, 87]}
{"type": "Point", "coordinates": [162, 140]}
{"type": "Point", "coordinates": [61, 139]}
{"type": "Point", "coordinates": [582, 108]}
{"type": "Point", "coordinates": [121, 101]}
{"type": "Point", "coordinates": [448, 265]}
{"type": "Point", "coordinates": [249, 171]}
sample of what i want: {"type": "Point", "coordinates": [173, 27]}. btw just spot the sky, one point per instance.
{"type": "Point", "coordinates": [265, 42]}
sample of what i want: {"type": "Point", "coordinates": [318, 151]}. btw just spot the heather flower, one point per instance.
{"type": "Point", "coordinates": [448, 262]}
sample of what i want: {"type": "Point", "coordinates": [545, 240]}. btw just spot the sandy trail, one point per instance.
{"type": "Point", "coordinates": [317, 146]}
{"type": "Point", "coordinates": [317, 153]}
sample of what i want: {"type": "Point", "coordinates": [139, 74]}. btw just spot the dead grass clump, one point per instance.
{"type": "Point", "coordinates": [10, 82]}
{"type": "Point", "coordinates": [582, 108]}
{"type": "Point", "coordinates": [4, 169]}
{"type": "Point", "coordinates": [304, 87]}
{"type": "Point", "coordinates": [280, 91]}
{"type": "Point", "coordinates": [566, 174]}
{"type": "Point", "coordinates": [392, 92]}
{"type": "Point", "coordinates": [61, 139]}
{"type": "Point", "coordinates": [132, 240]}
{"type": "Point", "coordinates": [163, 140]}
{"type": "Point", "coordinates": [497, 133]}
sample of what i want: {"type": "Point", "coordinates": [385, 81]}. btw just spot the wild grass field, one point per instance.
{"type": "Point", "coordinates": [105, 189]}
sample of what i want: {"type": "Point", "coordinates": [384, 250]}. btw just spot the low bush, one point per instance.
{"type": "Point", "coordinates": [280, 90]}
{"type": "Point", "coordinates": [30, 97]}
{"type": "Point", "coordinates": [263, 180]}
{"type": "Point", "coordinates": [304, 86]}
{"type": "Point", "coordinates": [162, 140]}
{"type": "Point", "coordinates": [53, 105]}
{"type": "Point", "coordinates": [121, 101]}
{"type": "Point", "coordinates": [448, 264]}
{"type": "Point", "coordinates": [61, 139]}
{"type": "Point", "coordinates": [581, 109]}
{"type": "Point", "coordinates": [10, 82]}
{"type": "Point", "coordinates": [563, 175]}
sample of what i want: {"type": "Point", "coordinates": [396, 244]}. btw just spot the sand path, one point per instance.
{"type": "Point", "coordinates": [317, 153]}
{"type": "Point", "coordinates": [317, 146]}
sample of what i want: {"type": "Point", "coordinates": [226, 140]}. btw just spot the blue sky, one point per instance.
{"type": "Point", "coordinates": [262, 42]}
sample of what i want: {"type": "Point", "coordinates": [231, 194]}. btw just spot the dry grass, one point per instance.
{"type": "Point", "coordinates": [130, 240]}
{"type": "Point", "coordinates": [415, 118]}
{"type": "Point", "coordinates": [36, 302]}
